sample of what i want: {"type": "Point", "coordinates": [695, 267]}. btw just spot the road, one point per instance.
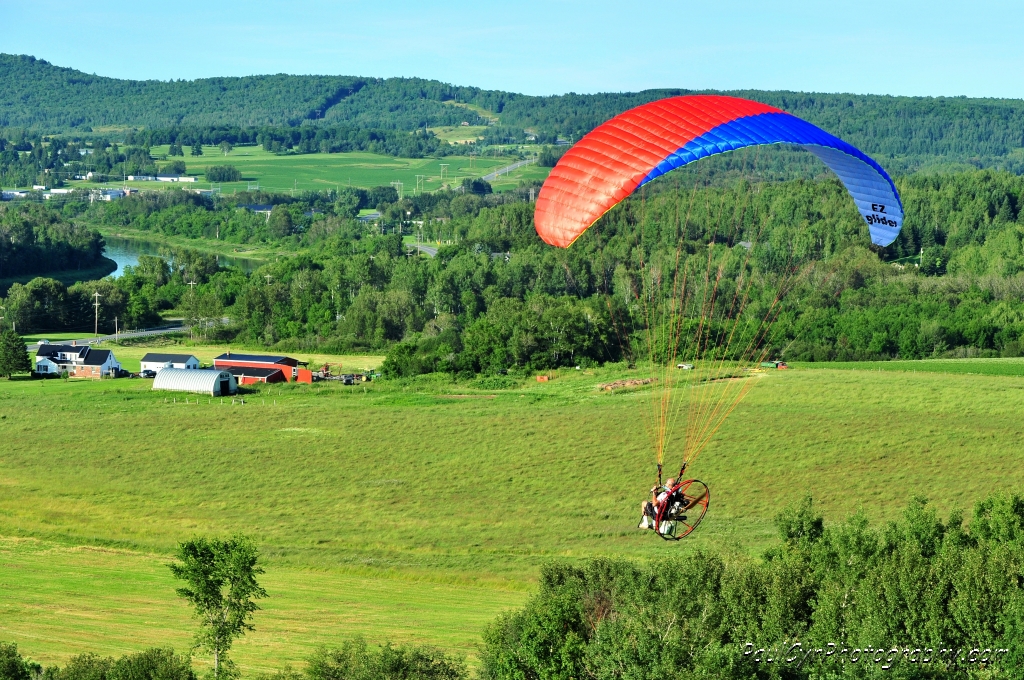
{"type": "Point", "coordinates": [507, 169]}
{"type": "Point", "coordinates": [429, 251]}
{"type": "Point", "coordinates": [162, 330]}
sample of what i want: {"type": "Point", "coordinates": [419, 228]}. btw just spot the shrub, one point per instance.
{"type": "Point", "coordinates": [495, 382]}
{"type": "Point", "coordinates": [149, 664]}
{"type": "Point", "coordinates": [12, 665]}
{"type": "Point", "coordinates": [152, 664]}
{"type": "Point", "coordinates": [81, 667]}
{"type": "Point", "coordinates": [476, 186]}
{"type": "Point", "coordinates": [223, 173]}
{"type": "Point", "coordinates": [173, 168]}
{"type": "Point", "coordinates": [549, 156]}
{"type": "Point", "coordinates": [355, 661]}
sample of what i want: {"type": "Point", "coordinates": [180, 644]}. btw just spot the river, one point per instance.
{"type": "Point", "coordinates": [126, 251]}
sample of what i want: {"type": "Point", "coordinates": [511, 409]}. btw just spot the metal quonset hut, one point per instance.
{"type": "Point", "coordinates": [214, 382]}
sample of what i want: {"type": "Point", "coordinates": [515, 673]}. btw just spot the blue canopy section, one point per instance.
{"type": "Point", "coordinates": [869, 185]}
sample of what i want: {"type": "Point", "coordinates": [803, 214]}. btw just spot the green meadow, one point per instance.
{"type": "Point", "coordinates": [417, 511]}
{"type": "Point", "coordinates": [308, 172]}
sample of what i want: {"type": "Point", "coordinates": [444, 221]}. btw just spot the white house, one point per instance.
{"type": "Point", "coordinates": [80, 361]}
{"type": "Point", "coordinates": [155, 361]}
{"type": "Point", "coordinates": [175, 178]}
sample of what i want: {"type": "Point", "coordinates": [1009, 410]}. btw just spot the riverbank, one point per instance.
{"type": "Point", "coordinates": [244, 251]}
{"type": "Point", "coordinates": [68, 277]}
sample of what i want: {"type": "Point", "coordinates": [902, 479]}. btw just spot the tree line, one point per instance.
{"type": "Point", "coordinates": [495, 298]}
{"type": "Point", "coordinates": [903, 133]}
{"type": "Point", "coordinates": [33, 239]}
{"type": "Point", "coordinates": [916, 598]}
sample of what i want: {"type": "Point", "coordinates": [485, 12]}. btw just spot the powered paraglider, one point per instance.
{"type": "Point", "coordinates": [694, 305]}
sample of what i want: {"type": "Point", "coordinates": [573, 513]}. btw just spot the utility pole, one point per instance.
{"type": "Point", "coordinates": [268, 277]}
{"type": "Point", "coordinates": [96, 305]}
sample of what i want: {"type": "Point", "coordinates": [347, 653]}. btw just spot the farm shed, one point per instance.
{"type": "Point", "coordinates": [157, 361]}
{"type": "Point", "coordinates": [210, 381]}
{"type": "Point", "coordinates": [248, 376]}
{"type": "Point", "coordinates": [289, 367]}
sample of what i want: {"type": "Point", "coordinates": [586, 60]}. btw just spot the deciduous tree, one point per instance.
{"type": "Point", "coordinates": [220, 584]}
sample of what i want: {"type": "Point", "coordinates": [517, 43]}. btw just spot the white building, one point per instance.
{"type": "Point", "coordinates": [174, 178]}
{"type": "Point", "coordinates": [155, 361]}
{"type": "Point", "coordinates": [211, 381]}
{"type": "Point", "coordinates": [79, 361]}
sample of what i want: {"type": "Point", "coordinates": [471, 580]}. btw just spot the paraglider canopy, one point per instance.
{"type": "Point", "coordinates": [637, 146]}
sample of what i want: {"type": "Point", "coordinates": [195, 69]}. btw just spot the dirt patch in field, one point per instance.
{"type": "Point", "coordinates": [619, 384]}
{"type": "Point", "coordinates": [467, 396]}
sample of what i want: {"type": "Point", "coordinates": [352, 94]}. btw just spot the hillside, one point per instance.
{"type": "Point", "coordinates": [39, 95]}
{"type": "Point", "coordinates": [907, 133]}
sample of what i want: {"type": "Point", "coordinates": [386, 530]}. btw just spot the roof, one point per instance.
{"type": "Point", "coordinates": [253, 358]}
{"type": "Point", "coordinates": [49, 350]}
{"type": "Point", "coordinates": [96, 357]}
{"type": "Point", "coordinates": [173, 358]}
{"type": "Point", "coordinates": [202, 380]}
{"type": "Point", "coordinates": [258, 207]}
{"type": "Point", "coordinates": [240, 371]}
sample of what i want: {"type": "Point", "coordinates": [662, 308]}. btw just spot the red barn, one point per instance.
{"type": "Point", "coordinates": [289, 367]}
{"type": "Point", "coordinates": [248, 376]}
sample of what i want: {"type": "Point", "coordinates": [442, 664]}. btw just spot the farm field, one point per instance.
{"type": "Point", "coordinates": [961, 366]}
{"type": "Point", "coordinates": [417, 511]}
{"type": "Point", "coordinates": [318, 171]}
{"type": "Point", "coordinates": [459, 134]}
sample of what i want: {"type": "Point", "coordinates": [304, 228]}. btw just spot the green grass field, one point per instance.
{"type": "Point", "coordinates": [418, 511]}
{"type": "Point", "coordinates": [329, 171]}
{"type": "Point", "coordinates": [1013, 367]}
{"type": "Point", "coordinates": [459, 134]}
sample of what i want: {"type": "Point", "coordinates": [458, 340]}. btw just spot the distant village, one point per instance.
{"type": "Point", "coordinates": [103, 194]}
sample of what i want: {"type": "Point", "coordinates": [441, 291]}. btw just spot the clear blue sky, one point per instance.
{"type": "Point", "coordinates": [971, 48]}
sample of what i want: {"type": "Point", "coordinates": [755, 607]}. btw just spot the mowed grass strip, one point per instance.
{"type": "Point", "coordinates": [401, 485]}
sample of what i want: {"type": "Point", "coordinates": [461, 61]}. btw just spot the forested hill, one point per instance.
{"type": "Point", "coordinates": [38, 95]}
{"type": "Point", "coordinates": [906, 133]}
